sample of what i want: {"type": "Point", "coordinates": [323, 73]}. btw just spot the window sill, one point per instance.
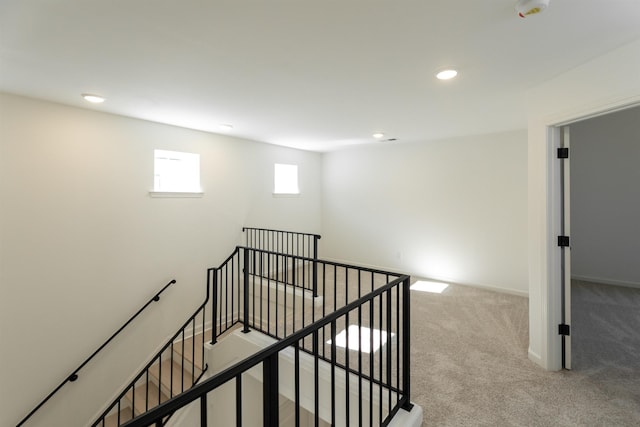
{"type": "Point", "coordinates": [176, 194]}
{"type": "Point", "coordinates": [286, 195]}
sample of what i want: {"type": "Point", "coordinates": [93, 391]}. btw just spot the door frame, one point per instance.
{"type": "Point", "coordinates": [558, 289]}
{"type": "Point", "coordinates": [565, 252]}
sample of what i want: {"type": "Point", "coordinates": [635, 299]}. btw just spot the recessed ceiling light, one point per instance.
{"type": "Point", "coordinates": [95, 99]}
{"type": "Point", "coordinates": [226, 127]}
{"type": "Point", "coordinates": [378, 135]}
{"type": "Point", "coordinates": [447, 74]}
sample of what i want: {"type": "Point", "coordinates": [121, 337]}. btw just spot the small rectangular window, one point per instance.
{"type": "Point", "coordinates": [176, 172]}
{"type": "Point", "coordinates": [285, 179]}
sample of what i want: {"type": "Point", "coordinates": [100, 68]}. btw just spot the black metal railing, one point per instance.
{"type": "Point", "coordinates": [74, 375]}
{"type": "Point", "coordinates": [225, 282]}
{"type": "Point", "coordinates": [264, 290]}
{"type": "Point", "coordinates": [302, 245]}
{"type": "Point", "coordinates": [178, 365]}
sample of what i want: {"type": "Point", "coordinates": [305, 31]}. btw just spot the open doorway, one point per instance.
{"type": "Point", "coordinates": [604, 219]}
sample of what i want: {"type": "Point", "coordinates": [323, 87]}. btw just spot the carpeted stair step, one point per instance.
{"type": "Point", "coordinates": [172, 378]}
{"type": "Point", "coordinates": [112, 420]}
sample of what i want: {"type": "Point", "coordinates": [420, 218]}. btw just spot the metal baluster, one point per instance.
{"type": "Point", "coordinates": [399, 346]}
{"type": "Point", "coordinates": [261, 288]}
{"type": "Point", "coordinates": [159, 377]}
{"type": "Point", "coordinates": [303, 292]}
{"type": "Point", "coordinates": [226, 294]}
{"type": "Point", "coordinates": [389, 348]}
{"type": "Point", "coordinates": [239, 400]}
{"type": "Point", "coordinates": [146, 399]}
{"type": "Point", "coordinates": [182, 364]}
{"type": "Point", "coordinates": [203, 411]}
{"type": "Point", "coordinates": [193, 351]}
{"type": "Point", "coordinates": [406, 315]}
{"type": "Point", "coordinates": [333, 372]}
{"type": "Point", "coordinates": [253, 286]}
{"type": "Point", "coordinates": [293, 289]}
{"type": "Point", "coordinates": [380, 328]}
{"type": "Point", "coordinates": [204, 317]}
{"type": "Point", "coordinates": [171, 380]}
{"type": "Point", "coordinates": [232, 282]}
{"type": "Point", "coordinates": [296, 379]}
{"type": "Point", "coordinates": [371, 367]}
{"type": "Point", "coordinates": [276, 290]}
{"type": "Point", "coordinates": [316, 399]}
{"type": "Point", "coordinates": [360, 364]}
{"type": "Point", "coordinates": [347, 351]}
{"type": "Point", "coordinates": [269, 294]}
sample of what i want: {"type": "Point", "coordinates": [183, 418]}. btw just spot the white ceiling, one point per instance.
{"type": "Point", "coordinates": [315, 75]}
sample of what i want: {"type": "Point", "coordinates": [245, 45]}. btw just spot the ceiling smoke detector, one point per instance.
{"type": "Point", "coordinates": [530, 7]}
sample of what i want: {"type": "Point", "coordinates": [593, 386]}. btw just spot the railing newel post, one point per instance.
{"type": "Point", "coordinates": [406, 343]}
{"type": "Point", "coordinates": [246, 291]}
{"type": "Point", "coordinates": [270, 391]}
{"type": "Point", "coordinates": [203, 411]}
{"type": "Point", "coordinates": [214, 303]}
{"type": "Point", "coordinates": [315, 266]}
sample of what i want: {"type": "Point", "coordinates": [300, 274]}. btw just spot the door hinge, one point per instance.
{"type": "Point", "coordinates": [564, 329]}
{"type": "Point", "coordinates": [563, 241]}
{"type": "Point", "coordinates": [563, 153]}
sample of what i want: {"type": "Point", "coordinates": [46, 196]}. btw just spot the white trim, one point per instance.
{"type": "Point", "coordinates": [609, 107]}
{"type": "Point", "coordinates": [550, 304]}
{"type": "Point", "coordinates": [553, 306]}
{"type": "Point", "coordinates": [534, 357]}
{"type": "Point", "coordinates": [176, 194]}
{"type": "Point", "coordinates": [605, 281]}
{"type": "Point", "coordinates": [437, 279]}
{"type": "Point", "coordinates": [549, 313]}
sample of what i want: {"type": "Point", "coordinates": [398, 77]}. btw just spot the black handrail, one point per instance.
{"type": "Point", "coordinates": [265, 356]}
{"type": "Point", "coordinates": [74, 375]}
{"type": "Point", "coordinates": [282, 231]}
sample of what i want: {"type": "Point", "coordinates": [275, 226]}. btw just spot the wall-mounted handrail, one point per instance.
{"type": "Point", "coordinates": [74, 375]}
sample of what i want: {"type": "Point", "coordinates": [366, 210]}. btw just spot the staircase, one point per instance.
{"type": "Point", "coordinates": [176, 370]}
{"type": "Point", "coordinates": [270, 294]}
{"type": "Point", "coordinates": [303, 306]}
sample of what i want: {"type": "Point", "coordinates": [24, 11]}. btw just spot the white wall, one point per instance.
{"type": "Point", "coordinates": [451, 210]}
{"type": "Point", "coordinates": [604, 84]}
{"type": "Point", "coordinates": [605, 198]}
{"type": "Point", "coordinates": [83, 246]}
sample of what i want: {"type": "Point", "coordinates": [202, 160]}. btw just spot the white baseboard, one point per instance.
{"type": "Point", "coordinates": [605, 281]}
{"type": "Point", "coordinates": [535, 357]}
{"type": "Point", "coordinates": [437, 279]}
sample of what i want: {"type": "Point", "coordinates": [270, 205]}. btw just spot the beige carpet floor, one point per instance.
{"type": "Point", "coordinates": [470, 365]}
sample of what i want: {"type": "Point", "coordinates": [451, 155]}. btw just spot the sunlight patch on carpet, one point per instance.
{"type": "Point", "coordinates": [428, 286]}
{"type": "Point", "coordinates": [368, 344]}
